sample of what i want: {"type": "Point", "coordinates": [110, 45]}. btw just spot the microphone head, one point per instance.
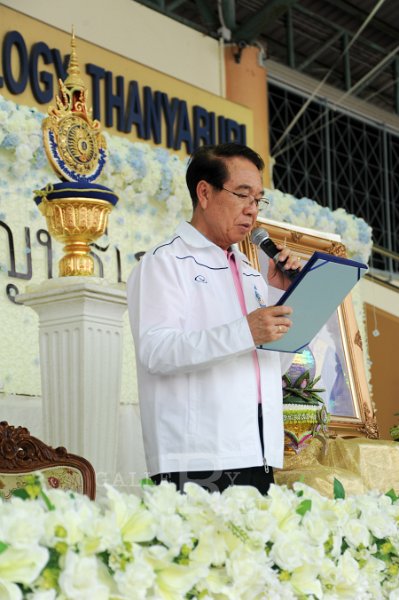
{"type": "Point", "coordinates": [259, 235]}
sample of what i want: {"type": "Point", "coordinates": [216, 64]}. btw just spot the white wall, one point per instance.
{"type": "Point", "coordinates": [138, 33]}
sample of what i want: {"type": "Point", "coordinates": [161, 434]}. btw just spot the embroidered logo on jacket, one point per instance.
{"type": "Point", "coordinates": [201, 279]}
{"type": "Point", "coordinates": [259, 298]}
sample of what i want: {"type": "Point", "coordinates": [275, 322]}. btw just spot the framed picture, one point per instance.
{"type": "Point", "coordinates": [337, 349]}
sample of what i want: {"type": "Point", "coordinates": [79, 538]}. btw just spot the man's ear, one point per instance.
{"type": "Point", "coordinates": [203, 193]}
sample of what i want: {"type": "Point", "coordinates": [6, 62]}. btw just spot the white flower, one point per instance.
{"type": "Point", "coordinates": [211, 547]}
{"type": "Point", "coordinates": [73, 517]}
{"type": "Point", "coordinates": [9, 591]}
{"type": "Point", "coordinates": [21, 523]}
{"type": "Point", "coordinates": [379, 514]}
{"type": "Point", "coordinates": [22, 565]}
{"type": "Point", "coordinates": [293, 549]}
{"type": "Point", "coordinates": [137, 578]}
{"type": "Point", "coordinates": [343, 576]}
{"type": "Point", "coordinates": [316, 526]}
{"type": "Point", "coordinates": [84, 577]}
{"type": "Point", "coordinates": [99, 534]}
{"type": "Point", "coordinates": [216, 583]}
{"type": "Point", "coordinates": [135, 522]}
{"type": "Point", "coordinates": [249, 572]}
{"type": "Point", "coordinates": [373, 573]}
{"type": "Point", "coordinates": [356, 533]}
{"type": "Point", "coordinates": [174, 581]}
{"type": "Point", "coordinates": [305, 582]}
{"type": "Point", "coordinates": [173, 531]}
{"type": "Point", "coordinates": [163, 499]}
{"type": "Point", "coordinates": [282, 508]}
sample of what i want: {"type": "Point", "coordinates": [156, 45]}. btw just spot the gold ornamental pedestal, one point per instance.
{"type": "Point", "coordinates": [300, 423]}
{"type": "Point", "coordinates": [76, 222]}
{"type": "Point", "coordinates": [76, 208]}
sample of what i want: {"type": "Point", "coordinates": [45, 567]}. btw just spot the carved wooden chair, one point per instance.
{"type": "Point", "coordinates": [22, 454]}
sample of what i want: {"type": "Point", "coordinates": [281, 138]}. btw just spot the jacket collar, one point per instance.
{"type": "Point", "coordinates": [192, 236]}
{"type": "Point", "coordinates": [195, 238]}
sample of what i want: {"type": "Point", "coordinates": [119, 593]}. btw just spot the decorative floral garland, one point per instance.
{"type": "Point", "coordinates": [150, 183]}
{"type": "Point", "coordinates": [356, 235]}
{"type": "Point", "coordinates": [139, 173]}
{"type": "Point", "coordinates": [171, 546]}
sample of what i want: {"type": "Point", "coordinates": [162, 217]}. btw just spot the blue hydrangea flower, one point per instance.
{"type": "Point", "coordinates": [165, 186]}
{"type": "Point", "coordinates": [135, 158]}
{"type": "Point", "coordinates": [11, 140]}
{"type": "Point", "coordinates": [40, 158]}
{"type": "Point", "coordinates": [115, 161]}
{"type": "Point", "coordinates": [341, 226]}
{"type": "Point", "coordinates": [162, 155]}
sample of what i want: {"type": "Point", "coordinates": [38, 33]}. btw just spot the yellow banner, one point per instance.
{"type": "Point", "coordinates": [127, 98]}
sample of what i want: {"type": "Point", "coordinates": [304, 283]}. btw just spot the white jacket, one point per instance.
{"type": "Point", "coordinates": [196, 377]}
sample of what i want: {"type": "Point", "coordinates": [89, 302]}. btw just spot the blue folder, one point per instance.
{"type": "Point", "coordinates": [314, 295]}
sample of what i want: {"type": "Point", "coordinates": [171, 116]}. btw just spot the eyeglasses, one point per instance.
{"type": "Point", "coordinates": [259, 202]}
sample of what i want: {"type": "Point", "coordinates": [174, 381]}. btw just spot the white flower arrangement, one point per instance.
{"type": "Point", "coordinates": [356, 235]}
{"type": "Point", "coordinates": [237, 545]}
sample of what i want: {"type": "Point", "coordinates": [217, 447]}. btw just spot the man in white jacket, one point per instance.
{"type": "Point", "coordinates": [210, 401]}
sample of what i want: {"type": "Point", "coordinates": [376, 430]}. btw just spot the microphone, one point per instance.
{"type": "Point", "coordinates": [260, 237]}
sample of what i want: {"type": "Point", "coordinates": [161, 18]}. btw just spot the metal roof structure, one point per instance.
{"type": "Point", "coordinates": [354, 45]}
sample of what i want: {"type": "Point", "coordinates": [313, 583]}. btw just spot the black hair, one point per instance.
{"type": "Point", "coordinates": [208, 163]}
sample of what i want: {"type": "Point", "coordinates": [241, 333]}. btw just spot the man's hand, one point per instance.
{"type": "Point", "coordinates": [269, 324]}
{"type": "Point", "coordinates": [293, 261]}
{"type": "Point", "coordinates": [276, 277]}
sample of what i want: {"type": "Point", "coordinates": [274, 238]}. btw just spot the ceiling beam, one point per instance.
{"type": "Point", "coordinates": [374, 72]}
{"type": "Point", "coordinates": [207, 15]}
{"type": "Point", "coordinates": [314, 17]}
{"type": "Point", "coordinates": [330, 42]}
{"type": "Point", "coordinates": [362, 15]}
{"type": "Point", "coordinates": [173, 5]}
{"type": "Point", "coordinates": [251, 29]}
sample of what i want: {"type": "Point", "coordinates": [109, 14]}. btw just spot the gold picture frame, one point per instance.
{"type": "Point", "coordinates": [351, 410]}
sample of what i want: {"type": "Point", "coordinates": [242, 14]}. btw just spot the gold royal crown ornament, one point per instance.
{"type": "Point", "coordinates": [76, 209]}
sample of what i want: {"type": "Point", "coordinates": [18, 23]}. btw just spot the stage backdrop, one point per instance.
{"type": "Point", "coordinates": [153, 199]}
{"type": "Point", "coordinates": [151, 122]}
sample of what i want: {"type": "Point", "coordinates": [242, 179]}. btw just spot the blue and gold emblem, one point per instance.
{"type": "Point", "coordinates": [73, 142]}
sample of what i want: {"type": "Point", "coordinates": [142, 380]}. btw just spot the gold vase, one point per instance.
{"type": "Point", "coordinates": [76, 222]}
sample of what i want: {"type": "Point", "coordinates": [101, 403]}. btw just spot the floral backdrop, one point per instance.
{"type": "Point", "coordinates": [150, 183]}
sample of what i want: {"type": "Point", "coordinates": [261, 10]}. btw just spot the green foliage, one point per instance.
{"type": "Point", "coordinates": [392, 495]}
{"type": "Point", "coordinates": [3, 547]}
{"type": "Point", "coordinates": [32, 490]}
{"type": "Point", "coordinates": [339, 491]}
{"type": "Point", "coordinates": [394, 431]}
{"type": "Point", "coordinates": [304, 507]}
{"type": "Point", "coordinates": [146, 481]}
{"type": "Point", "coordinates": [302, 390]}
{"type": "Point", "coordinates": [21, 493]}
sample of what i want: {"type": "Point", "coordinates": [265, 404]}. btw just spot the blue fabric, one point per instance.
{"type": "Point", "coordinates": [72, 189]}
